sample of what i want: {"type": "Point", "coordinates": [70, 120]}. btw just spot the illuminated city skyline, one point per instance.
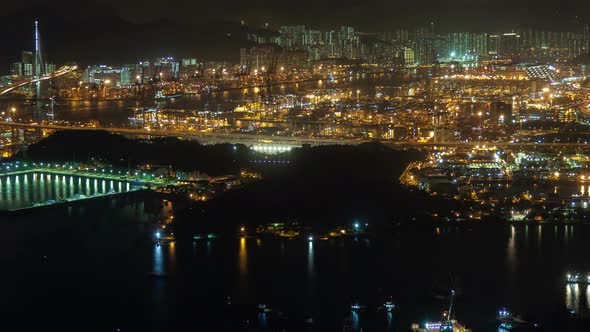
{"type": "Point", "coordinates": [300, 165]}
{"type": "Point", "coordinates": [218, 34]}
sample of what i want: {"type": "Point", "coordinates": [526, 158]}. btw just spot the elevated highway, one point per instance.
{"type": "Point", "coordinates": [203, 137]}
{"type": "Point", "coordinates": [252, 139]}
{"type": "Point", "coordinates": [61, 71]}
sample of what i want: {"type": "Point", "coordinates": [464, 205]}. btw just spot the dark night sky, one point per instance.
{"type": "Point", "coordinates": [369, 14]}
{"type": "Point", "coordinates": [122, 30]}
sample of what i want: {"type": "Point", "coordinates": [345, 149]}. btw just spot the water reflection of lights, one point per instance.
{"type": "Point", "coordinates": [17, 187]}
{"type": "Point", "coordinates": [243, 266]}
{"type": "Point", "coordinates": [8, 187]}
{"type": "Point", "coordinates": [572, 295]}
{"type": "Point", "coordinates": [42, 188]}
{"type": "Point", "coordinates": [389, 321]}
{"type": "Point", "coordinates": [243, 257]}
{"type": "Point", "coordinates": [263, 321]}
{"type": "Point", "coordinates": [158, 260]}
{"type": "Point", "coordinates": [1, 191]}
{"type": "Point", "coordinates": [511, 259]}
{"type": "Point", "coordinates": [539, 237]}
{"type": "Point", "coordinates": [208, 248]}
{"type": "Point", "coordinates": [56, 187]}
{"type": "Point", "coordinates": [310, 262]}
{"type": "Point", "coordinates": [310, 269]}
{"type": "Point", "coordinates": [355, 321]}
{"type": "Point", "coordinates": [172, 255]}
{"type": "Point", "coordinates": [512, 245]}
{"type": "Point", "coordinates": [63, 186]}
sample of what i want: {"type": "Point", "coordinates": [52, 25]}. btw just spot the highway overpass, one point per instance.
{"type": "Point", "coordinates": [252, 139]}
{"type": "Point", "coordinates": [203, 137]}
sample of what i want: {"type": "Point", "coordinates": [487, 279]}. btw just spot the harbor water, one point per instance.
{"type": "Point", "coordinates": [96, 262]}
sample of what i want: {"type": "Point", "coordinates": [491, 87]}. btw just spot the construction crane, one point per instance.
{"type": "Point", "coordinates": [244, 70]}
{"type": "Point", "coordinates": [202, 67]}
{"type": "Point", "coordinates": [447, 325]}
{"type": "Point", "coordinates": [269, 78]}
{"type": "Point", "coordinates": [219, 73]}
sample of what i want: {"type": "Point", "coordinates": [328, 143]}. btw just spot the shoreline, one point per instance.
{"type": "Point", "coordinates": [22, 210]}
{"type": "Point", "coordinates": [32, 209]}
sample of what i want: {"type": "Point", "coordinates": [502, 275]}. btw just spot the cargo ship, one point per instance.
{"type": "Point", "coordinates": [446, 324]}
{"type": "Point", "coordinates": [162, 96]}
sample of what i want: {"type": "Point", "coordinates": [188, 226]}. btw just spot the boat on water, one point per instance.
{"type": "Point", "coordinates": [162, 96]}
{"type": "Point", "coordinates": [208, 236]}
{"type": "Point", "coordinates": [507, 321]}
{"type": "Point", "coordinates": [356, 306]}
{"type": "Point", "coordinates": [263, 308]}
{"type": "Point", "coordinates": [389, 305]}
{"type": "Point", "coordinates": [446, 324]}
{"type": "Point", "coordinates": [577, 278]}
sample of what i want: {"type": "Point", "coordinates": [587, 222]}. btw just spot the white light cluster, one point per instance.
{"type": "Point", "coordinates": [271, 148]}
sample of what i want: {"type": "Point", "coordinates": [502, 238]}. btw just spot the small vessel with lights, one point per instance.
{"type": "Point", "coordinates": [507, 321]}
{"type": "Point", "coordinates": [263, 308]}
{"type": "Point", "coordinates": [356, 306]}
{"type": "Point", "coordinates": [389, 305]}
{"type": "Point", "coordinates": [164, 96]}
{"type": "Point", "coordinates": [577, 278]}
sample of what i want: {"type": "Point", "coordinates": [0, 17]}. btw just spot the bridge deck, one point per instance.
{"type": "Point", "coordinates": [252, 139]}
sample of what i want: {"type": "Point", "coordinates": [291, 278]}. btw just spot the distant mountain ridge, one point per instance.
{"type": "Point", "coordinates": [93, 35]}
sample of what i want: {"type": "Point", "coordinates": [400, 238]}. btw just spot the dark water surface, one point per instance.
{"type": "Point", "coordinates": [87, 267]}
